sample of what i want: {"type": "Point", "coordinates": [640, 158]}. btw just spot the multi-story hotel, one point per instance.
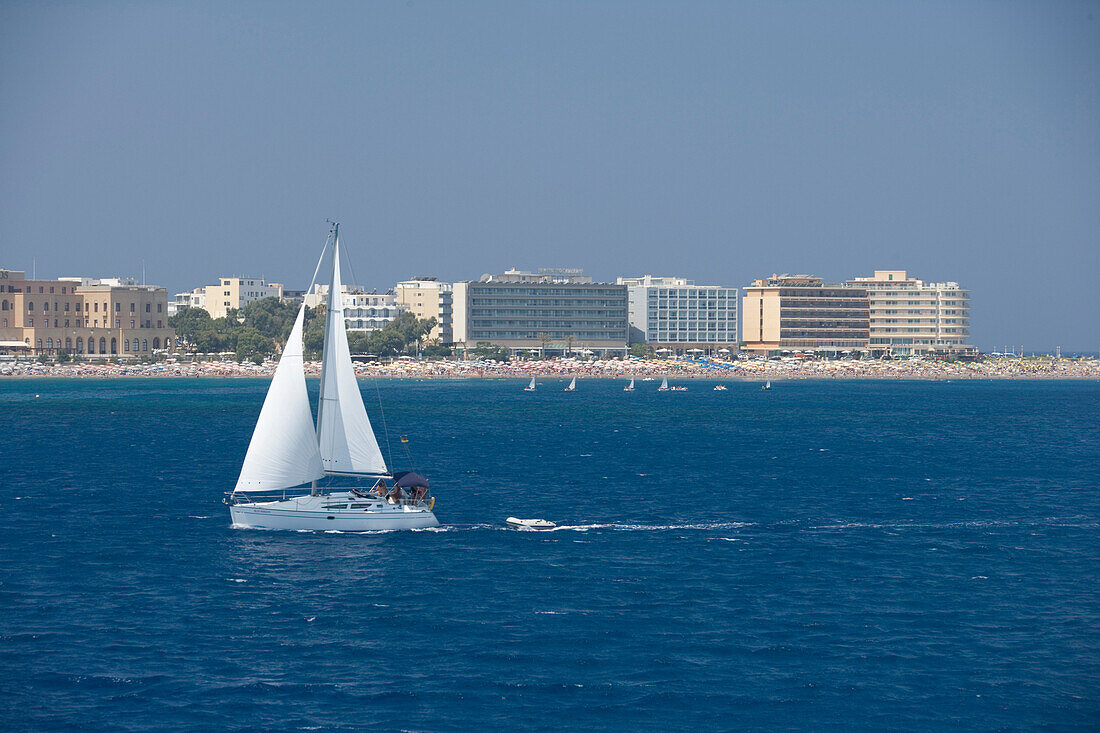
{"type": "Point", "coordinates": [674, 315]}
{"type": "Point", "coordinates": [909, 316]}
{"type": "Point", "coordinates": [552, 312]}
{"type": "Point", "coordinates": [83, 315]}
{"type": "Point", "coordinates": [362, 311]}
{"type": "Point", "coordinates": [234, 293]}
{"type": "Point", "coordinates": [801, 313]}
{"type": "Point", "coordinates": [426, 297]}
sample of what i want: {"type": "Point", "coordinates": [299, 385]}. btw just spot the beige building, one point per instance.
{"type": "Point", "coordinates": [84, 315]}
{"type": "Point", "coordinates": [801, 313]}
{"type": "Point", "coordinates": [426, 297]}
{"type": "Point", "coordinates": [909, 316]}
{"type": "Point", "coordinates": [236, 293]}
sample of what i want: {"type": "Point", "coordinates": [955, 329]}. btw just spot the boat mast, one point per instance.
{"type": "Point", "coordinates": [324, 349]}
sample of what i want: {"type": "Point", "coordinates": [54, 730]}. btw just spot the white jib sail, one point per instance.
{"type": "Point", "coordinates": [283, 451]}
{"type": "Point", "coordinates": [347, 441]}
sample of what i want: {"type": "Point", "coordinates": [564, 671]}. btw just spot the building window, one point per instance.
{"type": "Point", "coordinates": [95, 307]}
{"type": "Point", "coordinates": [159, 305]}
{"type": "Point", "coordinates": [49, 343]}
{"type": "Point", "coordinates": [68, 341]}
{"type": "Point", "coordinates": [118, 323]}
{"type": "Point", "coordinates": [30, 305]}
{"type": "Point", "coordinates": [146, 307]}
{"type": "Point", "coordinates": [131, 323]}
{"type": "Point", "coordinates": [145, 344]}
{"type": "Point", "coordinates": [45, 307]}
{"type": "Point", "coordinates": [118, 307]}
{"type": "Point", "coordinates": [131, 307]}
{"type": "Point", "coordinates": [102, 345]}
{"type": "Point", "coordinates": [30, 323]}
{"type": "Point", "coordinates": [80, 344]}
{"type": "Point", "coordinates": [126, 344]}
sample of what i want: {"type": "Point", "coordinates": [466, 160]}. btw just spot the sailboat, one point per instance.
{"type": "Point", "coordinates": [629, 387]}
{"type": "Point", "coordinates": [664, 385]}
{"type": "Point", "coordinates": [572, 385]}
{"type": "Point", "coordinates": [288, 451]}
{"type": "Point", "coordinates": [767, 384]}
{"type": "Point", "coordinates": [531, 386]}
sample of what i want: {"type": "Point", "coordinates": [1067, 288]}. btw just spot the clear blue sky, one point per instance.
{"type": "Point", "coordinates": [718, 141]}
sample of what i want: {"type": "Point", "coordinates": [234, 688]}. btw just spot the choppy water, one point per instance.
{"type": "Point", "coordinates": [823, 556]}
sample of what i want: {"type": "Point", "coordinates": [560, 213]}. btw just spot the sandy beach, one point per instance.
{"type": "Point", "coordinates": [787, 368]}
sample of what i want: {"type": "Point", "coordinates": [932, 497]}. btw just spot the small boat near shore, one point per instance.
{"type": "Point", "coordinates": [531, 386]}
{"type": "Point", "coordinates": [535, 524]}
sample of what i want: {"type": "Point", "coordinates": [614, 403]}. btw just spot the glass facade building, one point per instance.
{"type": "Point", "coordinates": [676, 315]}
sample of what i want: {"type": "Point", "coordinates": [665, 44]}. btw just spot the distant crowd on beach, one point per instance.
{"type": "Point", "coordinates": [779, 368]}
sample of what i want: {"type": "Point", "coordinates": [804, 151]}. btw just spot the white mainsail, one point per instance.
{"type": "Point", "coordinates": [283, 451]}
{"type": "Point", "coordinates": [347, 441]}
{"type": "Point", "coordinates": [664, 383]}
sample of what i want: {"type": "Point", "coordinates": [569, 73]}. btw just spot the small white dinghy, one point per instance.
{"type": "Point", "coordinates": [530, 523]}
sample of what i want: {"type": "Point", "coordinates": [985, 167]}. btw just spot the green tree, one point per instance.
{"type": "Point", "coordinates": [250, 343]}
{"type": "Point", "coordinates": [640, 350]}
{"type": "Point", "coordinates": [189, 322]}
{"type": "Point", "coordinates": [437, 351]}
{"type": "Point", "coordinates": [488, 350]}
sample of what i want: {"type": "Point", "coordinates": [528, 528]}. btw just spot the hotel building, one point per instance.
{"type": "Point", "coordinates": [362, 311]}
{"type": "Point", "coordinates": [426, 297]}
{"type": "Point", "coordinates": [909, 316]}
{"type": "Point", "coordinates": [236, 293]}
{"type": "Point", "coordinates": [801, 313]}
{"type": "Point", "coordinates": [551, 312]}
{"type": "Point", "coordinates": [83, 315]}
{"type": "Point", "coordinates": [675, 315]}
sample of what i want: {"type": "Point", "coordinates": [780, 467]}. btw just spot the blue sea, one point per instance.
{"type": "Point", "coordinates": [826, 555]}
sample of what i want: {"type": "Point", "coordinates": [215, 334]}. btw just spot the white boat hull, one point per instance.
{"type": "Point", "coordinates": [341, 512]}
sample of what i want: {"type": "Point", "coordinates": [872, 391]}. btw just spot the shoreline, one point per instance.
{"type": "Point", "coordinates": [752, 371]}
